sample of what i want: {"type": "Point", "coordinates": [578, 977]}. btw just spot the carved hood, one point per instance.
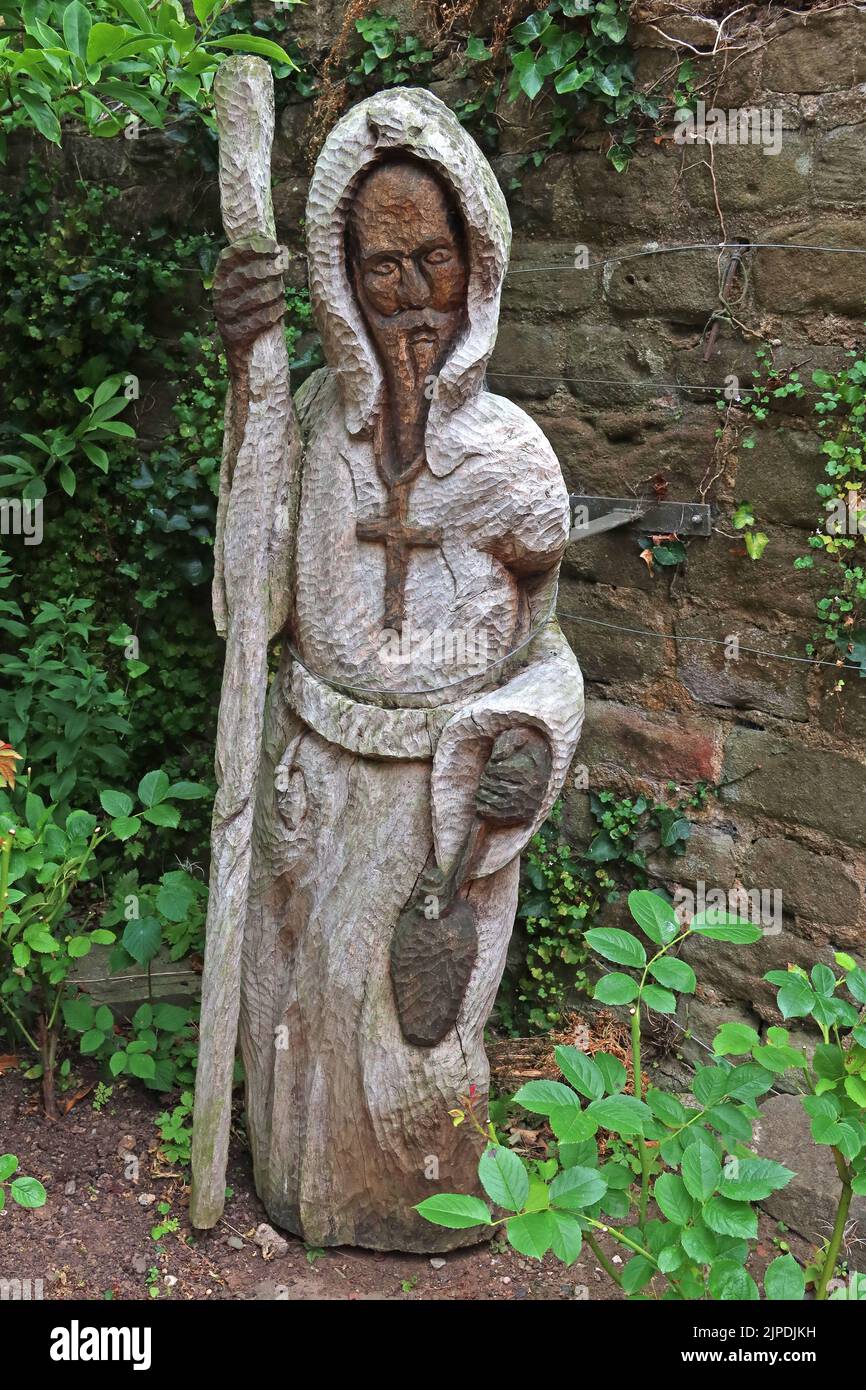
{"type": "Point", "coordinates": [413, 120]}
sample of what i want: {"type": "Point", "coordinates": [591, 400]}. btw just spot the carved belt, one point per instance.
{"type": "Point", "coordinates": [369, 730]}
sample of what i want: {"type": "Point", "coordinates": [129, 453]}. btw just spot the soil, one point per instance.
{"type": "Point", "coordinates": [106, 1179]}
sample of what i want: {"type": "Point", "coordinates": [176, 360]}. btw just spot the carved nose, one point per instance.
{"type": "Point", "coordinates": [414, 290]}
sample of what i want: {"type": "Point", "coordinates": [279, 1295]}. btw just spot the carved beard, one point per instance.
{"type": "Point", "coordinates": [413, 345]}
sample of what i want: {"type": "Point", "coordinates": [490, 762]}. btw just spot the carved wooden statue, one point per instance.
{"type": "Point", "coordinates": [400, 538]}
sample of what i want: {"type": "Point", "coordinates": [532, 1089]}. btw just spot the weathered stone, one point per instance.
{"type": "Point", "coordinates": [645, 200]}
{"type": "Point", "coordinates": [818, 53]}
{"type": "Point", "coordinates": [748, 178]}
{"type": "Point", "coordinates": [607, 654]}
{"type": "Point", "coordinates": [703, 1017]}
{"type": "Point", "coordinates": [840, 166]}
{"type": "Point", "coordinates": [741, 586]}
{"type": "Point", "coordinates": [808, 1203]}
{"type": "Point", "coordinates": [529, 359]}
{"type": "Point", "coordinates": [683, 288]}
{"type": "Point", "coordinates": [608, 365]}
{"type": "Point", "coordinates": [542, 278]}
{"type": "Point", "coordinates": [653, 745]}
{"type": "Point", "coordinates": [843, 713]}
{"type": "Point", "coordinates": [779, 475]}
{"type": "Point", "coordinates": [796, 281]}
{"type": "Point", "coordinates": [711, 856]}
{"type": "Point", "coordinates": [790, 781]}
{"type": "Point", "coordinates": [820, 887]}
{"type": "Point", "coordinates": [749, 681]}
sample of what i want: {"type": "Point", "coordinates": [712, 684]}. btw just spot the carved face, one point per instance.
{"type": "Point", "coordinates": [408, 264]}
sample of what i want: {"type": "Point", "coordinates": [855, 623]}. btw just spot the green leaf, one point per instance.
{"type": "Point", "coordinates": [80, 825]}
{"type": "Point", "coordinates": [76, 28]}
{"type": "Point", "coordinates": [667, 1108]}
{"type": "Point", "coordinates": [117, 1063]}
{"type": "Point", "coordinates": [170, 1018]}
{"type": "Point", "coordinates": [699, 1243]}
{"type": "Point", "coordinates": [753, 1179]}
{"type": "Point", "coordinates": [504, 1178]}
{"type": "Point", "coordinates": [141, 1064]}
{"type": "Point", "coordinates": [162, 815]}
{"type": "Point", "coordinates": [615, 988]}
{"type": "Point", "coordinates": [135, 100]}
{"type": "Point", "coordinates": [115, 803]}
{"type": "Point", "coordinates": [855, 1087]}
{"type": "Point", "coordinates": [823, 980]}
{"type": "Point", "coordinates": [28, 1192]}
{"type": "Point", "coordinates": [251, 43]}
{"type": "Point", "coordinates": [795, 999]}
{"type": "Point", "coordinates": [124, 827]}
{"type": "Point", "coordinates": [540, 1097]}
{"type": "Point", "coordinates": [737, 932]}
{"type": "Point", "coordinates": [701, 1171]}
{"type": "Point", "coordinates": [567, 1238]}
{"type": "Point", "coordinates": [581, 1071]}
{"type": "Point", "coordinates": [729, 1281]}
{"type": "Point", "coordinates": [784, 1279]}
{"type": "Point", "coordinates": [614, 1074]}
{"type": "Point", "coordinates": [455, 1211]}
{"type": "Point", "coordinates": [710, 1084]}
{"type": "Point", "coordinates": [654, 915]}
{"type": "Point", "coordinates": [734, 1039]}
{"type": "Point", "coordinates": [637, 1273]}
{"type": "Point", "coordinates": [531, 1234]}
{"type": "Point", "coordinates": [78, 1014]}
{"type": "Point", "coordinates": [571, 1125]}
{"type": "Point", "coordinates": [78, 946]}
{"type": "Point", "coordinates": [576, 1188]}
{"type": "Point", "coordinates": [104, 40]}
{"type": "Point", "coordinates": [674, 974]}
{"type": "Point", "coordinates": [729, 1218]}
{"type": "Point", "coordinates": [92, 1040]}
{"type": "Point", "coordinates": [616, 945]}
{"type": "Point", "coordinates": [8, 1165]}
{"type": "Point", "coordinates": [41, 114]}
{"type": "Point", "coordinates": [659, 999]}
{"type": "Point", "coordinates": [153, 788]}
{"type": "Point", "coordinates": [624, 1115]}
{"type": "Point", "coordinates": [141, 938]}
{"type": "Point", "coordinates": [187, 791]}
{"type": "Point", "coordinates": [672, 1198]}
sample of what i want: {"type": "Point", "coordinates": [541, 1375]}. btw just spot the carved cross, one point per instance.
{"type": "Point", "coordinates": [399, 538]}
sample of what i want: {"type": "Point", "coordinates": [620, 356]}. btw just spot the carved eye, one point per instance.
{"type": "Point", "coordinates": [383, 269]}
{"type": "Point", "coordinates": [440, 255]}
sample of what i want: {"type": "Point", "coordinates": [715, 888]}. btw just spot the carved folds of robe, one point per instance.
{"type": "Point", "coordinates": [375, 742]}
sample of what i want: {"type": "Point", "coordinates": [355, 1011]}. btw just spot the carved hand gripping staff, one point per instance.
{"type": "Point", "coordinates": [400, 530]}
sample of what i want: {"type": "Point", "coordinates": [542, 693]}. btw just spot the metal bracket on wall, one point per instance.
{"type": "Point", "coordinates": [590, 516]}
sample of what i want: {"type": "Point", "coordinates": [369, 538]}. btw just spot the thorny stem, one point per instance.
{"type": "Point", "coordinates": [602, 1259]}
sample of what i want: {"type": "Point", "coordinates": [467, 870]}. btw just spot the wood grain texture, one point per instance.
{"type": "Point", "coordinates": [375, 741]}
{"type": "Point", "coordinates": [251, 592]}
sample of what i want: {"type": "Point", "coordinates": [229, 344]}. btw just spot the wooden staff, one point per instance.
{"type": "Point", "coordinates": [251, 602]}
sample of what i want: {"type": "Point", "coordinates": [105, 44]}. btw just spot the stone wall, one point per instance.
{"type": "Point", "coordinates": [600, 357]}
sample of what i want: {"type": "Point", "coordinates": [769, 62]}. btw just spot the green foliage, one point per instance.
{"type": "Point", "coordinates": [27, 1192]}
{"type": "Point", "coordinates": [575, 55]}
{"type": "Point", "coordinates": [99, 64]}
{"type": "Point", "coordinates": [43, 859]}
{"type": "Point", "coordinates": [388, 57]}
{"type": "Point", "coordinates": [693, 1161]}
{"type": "Point", "coordinates": [563, 892]}
{"type": "Point", "coordinates": [175, 1131]}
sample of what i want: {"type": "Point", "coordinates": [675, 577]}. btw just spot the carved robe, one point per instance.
{"type": "Point", "coordinates": [374, 746]}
